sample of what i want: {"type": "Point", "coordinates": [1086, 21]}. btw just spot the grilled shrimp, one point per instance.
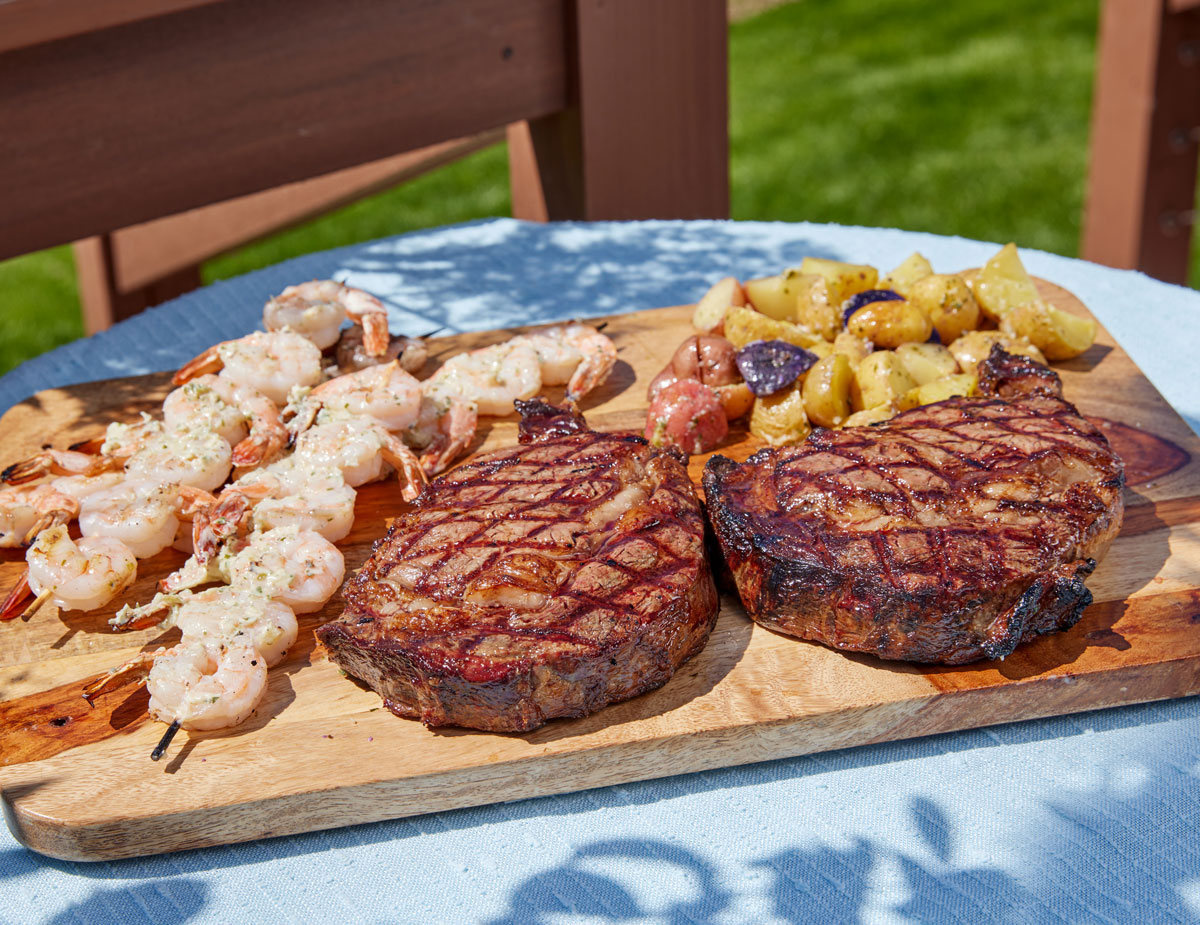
{"type": "Point", "coordinates": [576, 354]}
{"type": "Point", "coordinates": [241, 414]}
{"type": "Point", "coordinates": [292, 492]}
{"type": "Point", "coordinates": [385, 393]}
{"type": "Point", "coordinates": [444, 430]}
{"type": "Point", "coordinates": [197, 458]}
{"type": "Point", "coordinates": [26, 510]}
{"type": "Point", "coordinates": [297, 567]}
{"type": "Point", "coordinates": [317, 309]}
{"type": "Point", "coordinates": [58, 462]}
{"type": "Point", "coordinates": [492, 377]}
{"type": "Point", "coordinates": [193, 685]}
{"type": "Point", "coordinates": [270, 361]}
{"type": "Point", "coordinates": [78, 575]}
{"type": "Point", "coordinates": [141, 514]}
{"type": "Point", "coordinates": [362, 449]}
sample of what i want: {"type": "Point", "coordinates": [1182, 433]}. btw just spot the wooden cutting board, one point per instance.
{"type": "Point", "coordinates": [320, 752]}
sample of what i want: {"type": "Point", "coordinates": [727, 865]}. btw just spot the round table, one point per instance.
{"type": "Point", "coordinates": [1089, 817]}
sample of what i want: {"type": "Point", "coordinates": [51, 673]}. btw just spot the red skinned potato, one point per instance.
{"type": "Point", "coordinates": [706, 358]}
{"type": "Point", "coordinates": [688, 416]}
{"type": "Point", "coordinates": [661, 381]}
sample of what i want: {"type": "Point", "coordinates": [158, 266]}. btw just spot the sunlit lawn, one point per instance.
{"type": "Point", "coordinates": [967, 119]}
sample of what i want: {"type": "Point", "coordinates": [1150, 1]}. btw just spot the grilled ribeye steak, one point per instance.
{"type": "Point", "coordinates": [545, 580]}
{"type": "Point", "coordinates": [948, 534]}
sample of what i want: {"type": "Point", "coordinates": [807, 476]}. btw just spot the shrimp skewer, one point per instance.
{"type": "Point", "coordinates": [76, 575]}
{"type": "Point", "coordinates": [362, 449]}
{"type": "Point", "coordinates": [316, 310]}
{"type": "Point", "coordinates": [297, 567]}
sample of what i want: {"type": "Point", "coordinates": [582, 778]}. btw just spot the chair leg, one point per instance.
{"type": "Point", "coordinates": [1145, 134]}
{"type": "Point", "coordinates": [102, 301]}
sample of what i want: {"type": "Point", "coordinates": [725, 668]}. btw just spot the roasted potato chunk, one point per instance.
{"type": "Point", "coordinates": [973, 347]}
{"type": "Point", "coordinates": [780, 419]}
{"type": "Point", "coordinates": [1003, 284]}
{"type": "Point", "coordinates": [1057, 333]}
{"type": "Point", "coordinates": [890, 323]}
{"type": "Point", "coordinates": [827, 391]}
{"type": "Point", "coordinates": [926, 362]}
{"type": "Point", "coordinates": [964, 384]}
{"type": "Point", "coordinates": [870, 416]}
{"type": "Point", "coordinates": [853, 348]}
{"type": "Point", "coordinates": [843, 279]}
{"type": "Point", "coordinates": [743, 325]}
{"type": "Point", "coordinates": [915, 267]}
{"type": "Point", "coordinates": [776, 296]}
{"type": "Point", "coordinates": [949, 303]}
{"type": "Point", "coordinates": [880, 379]}
{"type": "Point", "coordinates": [709, 316]}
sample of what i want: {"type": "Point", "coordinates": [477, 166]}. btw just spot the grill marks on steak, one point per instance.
{"type": "Point", "coordinates": [948, 534]}
{"type": "Point", "coordinates": [544, 580]}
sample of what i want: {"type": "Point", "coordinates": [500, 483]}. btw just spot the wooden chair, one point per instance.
{"type": "Point", "coordinates": [158, 133]}
{"type": "Point", "coordinates": [1145, 136]}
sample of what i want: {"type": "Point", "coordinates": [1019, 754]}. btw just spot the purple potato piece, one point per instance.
{"type": "Point", "coordinates": [855, 302]}
{"type": "Point", "coordinates": [771, 365]}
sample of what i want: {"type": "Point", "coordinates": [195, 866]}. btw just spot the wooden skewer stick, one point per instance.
{"type": "Point", "coordinates": [161, 748]}
{"type": "Point", "coordinates": [37, 602]}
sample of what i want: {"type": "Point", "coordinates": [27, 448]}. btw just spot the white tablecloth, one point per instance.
{"type": "Point", "coordinates": [1091, 817]}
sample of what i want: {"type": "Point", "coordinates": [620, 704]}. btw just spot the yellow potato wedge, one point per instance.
{"type": "Point", "coordinates": [926, 362]}
{"type": "Point", "coordinates": [776, 296]}
{"type": "Point", "coordinates": [826, 390]}
{"type": "Point", "coordinates": [973, 348]}
{"type": "Point", "coordinates": [1003, 284]}
{"type": "Point", "coordinates": [780, 419]}
{"type": "Point", "coordinates": [870, 416]}
{"type": "Point", "coordinates": [743, 325]}
{"type": "Point", "coordinates": [949, 303]}
{"type": "Point", "coordinates": [736, 399]}
{"type": "Point", "coordinates": [854, 348]}
{"type": "Point", "coordinates": [1060, 335]}
{"type": "Point", "coordinates": [814, 310]}
{"type": "Point", "coordinates": [709, 315]}
{"type": "Point", "coordinates": [914, 268]}
{"type": "Point", "coordinates": [844, 279]}
{"type": "Point", "coordinates": [959, 384]}
{"type": "Point", "coordinates": [880, 379]}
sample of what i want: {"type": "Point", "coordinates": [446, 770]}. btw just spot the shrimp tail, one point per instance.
{"type": "Point", "coordinates": [376, 337]}
{"type": "Point", "coordinates": [226, 520]}
{"type": "Point", "coordinates": [12, 605]}
{"type": "Point", "coordinates": [207, 362]}
{"type": "Point", "coordinates": [134, 671]}
{"type": "Point", "coordinates": [26, 470]}
{"type": "Point", "coordinates": [91, 446]}
{"type": "Point", "coordinates": [456, 432]}
{"type": "Point", "coordinates": [57, 462]}
{"type": "Point", "coordinates": [407, 466]}
{"type": "Point", "coordinates": [260, 447]}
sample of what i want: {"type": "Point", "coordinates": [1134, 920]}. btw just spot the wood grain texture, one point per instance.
{"type": "Point", "coordinates": [321, 752]}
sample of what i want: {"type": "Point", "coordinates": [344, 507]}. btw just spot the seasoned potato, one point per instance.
{"type": "Point", "coordinates": [901, 280]}
{"type": "Point", "coordinates": [743, 325]}
{"type": "Point", "coordinates": [949, 303]}
{"type": "Point", "coordinates": [965, 384]}
{"type": "Point", "coordinates": [780, 419]}
{"type": "Point", "coordinates": [926, 362]}
{"type": "Point", "coordinates": [1003, 283]}
{"type": "Point", "coordinates": [844, 279]}
{"type": "Point", "coordinates": [821, 348]}
{"type": "Point", "coordinates": [709, 315]}
{"type": "Point", "coordinates": [880, 379]}
{"type": "Point", "coordinates": [736, 398]}
{"type": "Point", "coordinates": [706, 358]}
{"type": "Point", "coordinates": [973, 348]}
{"type": "Point", "coordinates": [870, 416]}
{"type": "Point", "coordinates": [890, 323]}
{"type": "Point", "coordinates": [1058, 334]}
{"type": "Point", "coordinates": [776, 296]}
{"type": "Point", "coordinates": [853, 348]}
{"type": "Point", "coordinates": [814, 309]}
{"type": "Point", "coordinates": [827, 391]}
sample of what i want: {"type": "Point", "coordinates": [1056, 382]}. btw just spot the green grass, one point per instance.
{"type": "Point", "coordinates": [967, 119]}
